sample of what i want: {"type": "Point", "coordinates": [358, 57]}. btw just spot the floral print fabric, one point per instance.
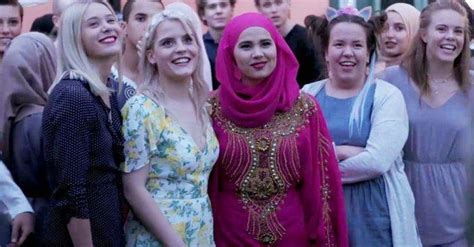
{"type": "Point", "coordinates": [178, 172]}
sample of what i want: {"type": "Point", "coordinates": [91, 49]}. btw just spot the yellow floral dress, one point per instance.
{"type": "Point", "coordinates": [178, 172]}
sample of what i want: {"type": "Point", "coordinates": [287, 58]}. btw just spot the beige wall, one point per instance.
{"type": "Point", "coordinates": [300, 9]}
{"type": "Point", "coordinates": [31, 13]}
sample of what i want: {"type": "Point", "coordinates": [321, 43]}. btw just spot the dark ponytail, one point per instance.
{"type": "Point", "coordinates": [378, 22]}
{"type": "Point", "coordinates": [317, 26]}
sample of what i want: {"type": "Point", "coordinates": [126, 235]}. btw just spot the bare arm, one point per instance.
{"type": "Point", "coordinates": [80, 232]}
{"type": "Point", "coordinates": [147, 210]}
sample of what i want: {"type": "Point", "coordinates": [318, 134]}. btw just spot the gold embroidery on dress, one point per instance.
{"type": "Point", "coordinates": [324, 149]}
{"type": "Point", "coordinates": [263, 163]}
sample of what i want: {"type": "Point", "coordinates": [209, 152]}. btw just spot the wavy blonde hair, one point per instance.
{"type": "Point", "coordinates": [151, 87]}
{"type": "Point", "coordinates": [73, 61]}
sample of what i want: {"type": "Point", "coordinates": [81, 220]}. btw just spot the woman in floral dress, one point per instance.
{"type": "Point", "coordinates": [170, 145]}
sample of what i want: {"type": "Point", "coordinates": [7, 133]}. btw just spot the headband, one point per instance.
{"type": "Point", "coordinates": [364, 13]}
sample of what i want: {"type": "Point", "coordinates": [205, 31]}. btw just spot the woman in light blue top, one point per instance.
{"type": "Point", "coordinates": [368, 121]}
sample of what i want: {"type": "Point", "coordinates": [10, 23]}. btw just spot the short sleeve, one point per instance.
{"type": "Point", "coordinates": [140, 135]}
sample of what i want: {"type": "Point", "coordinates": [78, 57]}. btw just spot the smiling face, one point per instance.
{"type": "Point", "coordinates": [347, 55]}
{"type": "Point", "coordinates": [139, 19]}
{"type": "Point", "coordinates": [217, 13]}
{"type": "Point", "coordinates": [175, 51]}
{"type": "Point", "coordinates": [255, 54]}
{"type": "Point", "coordinates": [100, 32]}
{"type": "Point", "coordinates": [444, 36]}
{"type": "Point", "coordinates": [394, 38]}
{"type": "Point", "coordinates": [276, 10]}
{"type": "Point", "coordinates": [10, 25]}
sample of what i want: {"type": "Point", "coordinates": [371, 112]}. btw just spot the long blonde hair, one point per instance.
{"type": "Point", "coordinates": [151, 87]}
{"type": "Point", "coordinates": [416, 62]}
{"type": "Point", "coordinates": [73, 61]}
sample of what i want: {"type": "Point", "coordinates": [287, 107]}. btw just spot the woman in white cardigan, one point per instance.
{"type": "Point", "coordinates": [382, 157]}
{"type": "Point", "coordinates": [368, 121]}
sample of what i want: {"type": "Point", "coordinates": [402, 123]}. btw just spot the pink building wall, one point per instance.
{"type": "Point", "coordinates": [31, 13]}
{"type": "Point", "coordinates": [300, 9]}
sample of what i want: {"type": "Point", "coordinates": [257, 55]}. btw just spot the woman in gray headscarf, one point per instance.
{"type": "Point", "coordinates": [27, 71]}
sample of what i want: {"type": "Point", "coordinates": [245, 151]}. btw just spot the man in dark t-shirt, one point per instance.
{"type": "Point", "coordinates": [296, 36]}
{"type": "Point", "coordinates": [215, 14]}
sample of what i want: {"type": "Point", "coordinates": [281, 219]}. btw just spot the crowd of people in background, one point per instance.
{"type": "Point", "coordinates": [139, 129]}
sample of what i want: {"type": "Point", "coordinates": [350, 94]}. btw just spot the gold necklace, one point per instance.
{"type": "Point", "coordinates": [437, 83]}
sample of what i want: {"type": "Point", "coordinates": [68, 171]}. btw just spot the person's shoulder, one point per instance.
{"type": "Point", "coordinates": [394, 71]}
{"type": "Point", "coordinates": [207, 38]}
{"type": "Point", "coordinates": [307, 106]}
{"type": "Point", "coordinates": [385, 86]}
{"type": "Point", "coordinates": [306, 103]}
{"type": "Point", "coordinates": [72, 90]}
{"type": "Point", "coordinates": [72, 84]}
{"type": "Point", "coordinates": [207, 35]}
{"type": "Point", "coordinates": [299, 29]}
{"type": "Point", "coordinates": [395, 75]}
{"type": "Point", "coordinates": [298, 33]}
{"type": "Point", "coordinates": [314, 87]}
{"type": "Point", "coordinates": [143, 105]}
{"type": "Point", "coordinates": [71, 99]}
{"type": "Point", "coordinates": [139, 100]}
{"type": "Point", "coordinates": [305, 97]}
{"type": "Point", "coordinates": [387, 91]}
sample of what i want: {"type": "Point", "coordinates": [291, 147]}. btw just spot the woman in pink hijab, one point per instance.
{"type": "Point", "coordinates": [276, 181]}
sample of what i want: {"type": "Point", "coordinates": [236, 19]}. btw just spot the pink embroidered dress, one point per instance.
{"type": "Point", "coordinates": [276, 181]}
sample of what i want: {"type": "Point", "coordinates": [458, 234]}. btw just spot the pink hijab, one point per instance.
{"type": "Point", "coordinates": [253, 106]}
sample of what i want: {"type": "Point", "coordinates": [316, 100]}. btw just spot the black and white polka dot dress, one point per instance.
{"type": "Point", "coordinates": [83, 147]}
